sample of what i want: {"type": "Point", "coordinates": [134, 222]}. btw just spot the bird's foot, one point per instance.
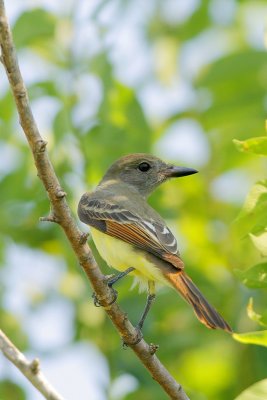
{"type": "Point", "coordinates": [110, 281]}
{"type": "Point", "coordinates": [99, 303]}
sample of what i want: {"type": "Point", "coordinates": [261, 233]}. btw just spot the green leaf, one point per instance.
{"type": "Point", "coordinates": [260, 242]}
{"type": "Point", "coordinates": [254, 197]}
{"type": "Point", "coordinates": [10, 390]}
{"type": "Point", "coordinates": [43, 88]}
{"type": "Point", "coordinates": [232, 86]}
{"type": "Point", "coordinates": [6, 108]}
{"type": "Point", "coordinates": [254, 277]}
{"type": "Point", "coordinates": [61, 124]}
{"type": "Point", "coordinates": [260, 319]}
{"type": "Point", "coordinates": [12, 328]}
{"type": "Point", "coordinates": [258, 337]}
{"type": "Point", "coordinates": [257, 145]}
{"type": "Point", "coordinates": [191, 27]}
{"type": "Point", "coordinates": [233, 68]}
{"type": "Point", "coordinates": [253, 216]}
{"type": "Point", "coordinates": [258, 391]}
{"type": "Point", "coordinates": [32, 26]}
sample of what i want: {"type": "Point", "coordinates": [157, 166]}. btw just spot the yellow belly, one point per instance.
{"type": "Point", "coordinates": [121, 255]}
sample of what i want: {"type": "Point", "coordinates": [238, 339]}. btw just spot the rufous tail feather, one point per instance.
{"type": "Point", "coordinates": [203, 310]}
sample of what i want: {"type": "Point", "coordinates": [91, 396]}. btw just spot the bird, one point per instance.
{"type": "Point", "coordinates": [134, 239]}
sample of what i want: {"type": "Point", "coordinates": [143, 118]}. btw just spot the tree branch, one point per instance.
{"type": "Point", "coordinates": [30, 369]}
{"type": "Point", "coordinates": [61, 214]}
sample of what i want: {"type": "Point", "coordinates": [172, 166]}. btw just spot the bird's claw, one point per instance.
{"type": "Point", "coordinates": [99, 303]}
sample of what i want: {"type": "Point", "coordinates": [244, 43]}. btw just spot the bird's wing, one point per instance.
{"type": "Point", "coordinates": [114, 220]}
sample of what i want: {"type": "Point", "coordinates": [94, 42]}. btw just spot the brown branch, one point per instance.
{"type": "Point", "coordinates": [30, 369]}
{"type": "Point", "coordinates": [61, 214]}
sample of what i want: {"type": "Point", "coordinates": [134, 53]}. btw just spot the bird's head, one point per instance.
{"type": "Point", "coordinates": [144, 172]}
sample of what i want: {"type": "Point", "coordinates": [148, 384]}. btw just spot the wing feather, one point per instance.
{"type": "Point", "coordinates": [118, 222]}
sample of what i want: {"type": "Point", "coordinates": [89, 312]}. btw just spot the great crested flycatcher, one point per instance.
{"type": "Point", "coordinates": [132, 237]}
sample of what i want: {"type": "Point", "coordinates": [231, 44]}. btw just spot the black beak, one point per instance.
{"type": "Point", "coordinates": [176, 172]}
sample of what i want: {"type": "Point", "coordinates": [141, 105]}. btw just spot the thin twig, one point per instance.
{"type": "Point", "coordinates": [61, 213]}
{"type": "Point", "coordinates": [30, 369]}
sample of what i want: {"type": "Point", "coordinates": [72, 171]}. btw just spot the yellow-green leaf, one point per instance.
{"type": "Point", "coordinates": [260, 319]}
{"type": "Point", "coordinates": [253, 216]}
{"type": "Point", "coordinates": [258, 391]}
{"type": "Point", "coordinates": [258, 337]}
{"type": "Point", "coordinates": [260, 242]}
{"type": "Point", "coordinates": [257, 145]}
{"type": "Point", "coordinates": [33, 26]}
{"type": "Point", "coordinates": [254, 277]}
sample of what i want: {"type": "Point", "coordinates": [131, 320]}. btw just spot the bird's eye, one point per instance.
{"type": "Point", "coordinates": [144, 167]}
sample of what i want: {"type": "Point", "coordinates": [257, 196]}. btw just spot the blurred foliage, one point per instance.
{"type": "Point", "coordinates": [9, 390]}
{"type": "Point", "coordinates": [255, 392]}
{"type": "Point", "coordinates": [261, 319]}
{"type": "Point", "coordinates": [91, 114]}
{"type": "Point", "coordinates": [256, 276]}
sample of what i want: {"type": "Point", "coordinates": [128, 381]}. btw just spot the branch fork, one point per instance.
{"type": "Point", "coordinates": [30, 369]}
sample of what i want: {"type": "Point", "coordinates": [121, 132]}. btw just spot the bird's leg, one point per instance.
{"type": "Point", "coordinates": [119, 276]}
{"type": "Point", "coordinates": [150, 298]}
{"type": "Point", "coordinates": [110, 283]}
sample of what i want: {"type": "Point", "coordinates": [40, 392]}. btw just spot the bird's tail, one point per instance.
{"type": "Point", "coordinates": [203, 310]}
